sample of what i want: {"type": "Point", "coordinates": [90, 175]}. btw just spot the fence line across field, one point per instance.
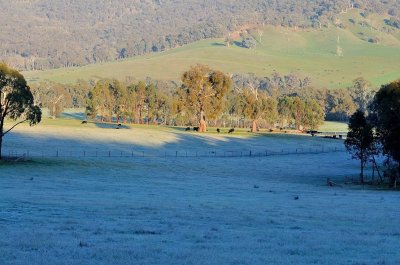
{"type": "Point", "coordinates": [169, 153]}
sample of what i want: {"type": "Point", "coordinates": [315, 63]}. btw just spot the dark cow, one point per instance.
{"type": "Point", "coordinates": [218, 130]}
{"type": "Point", "coordinates": [187, 129]}
{"type": "Point", "coordinates": [196, 129]}
{"type": "Point", "coordinates": [231, 130]}
{"type": "Point", "coordinates": [84, 122]}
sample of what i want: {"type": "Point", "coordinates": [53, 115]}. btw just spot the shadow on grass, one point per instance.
{"type": "Point", "coordinates": [218, 44]}
{"type": "Point", "coordinates": [144, 141]}
{"type": "Point", "coordinates": [74, 116]}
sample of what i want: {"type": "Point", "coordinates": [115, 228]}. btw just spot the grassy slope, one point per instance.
{"type": "Point", "coordinates": [309, 52]}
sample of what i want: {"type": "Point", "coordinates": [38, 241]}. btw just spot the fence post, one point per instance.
{"type": "Point", "coordinates": [250, 152]}
{"type": "Point", "coordinates": [57, 153]}
{"type": "Point", "coordinates": [143, 153]}
{"type": "Point", "coordinates": [266, 153]}
{"type": "Point", "coordinates": [109, 153]}
{"type": "Point", "coordinates": [176, 153]}
{"type": "Point", "coordinates": [84, 153]}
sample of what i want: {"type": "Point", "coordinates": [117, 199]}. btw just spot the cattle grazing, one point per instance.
{"type": "Point", "coordinates": [196, 129]}
{"type": "Point", "coordinates": [218, 130]}
{"type": "Point", "coordinates": [231, 130]}
{"type": "Point", "coordinates": [187, 129]}
{"type": "Point", "coordinates": [84, 122]}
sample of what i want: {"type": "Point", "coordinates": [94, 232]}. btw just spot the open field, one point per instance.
{"type": "Point", "coordinates": [202, 210]}
{"type": "Point", "coordinates": [304, 52]}
{"type": "Point", "coordinates": [333, 126]}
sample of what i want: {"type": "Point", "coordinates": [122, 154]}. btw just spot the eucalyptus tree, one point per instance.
{"type": "Point", "coordinates": [360, 140]}
{"type": "Point", "coordinates": [385, 113]}
{"type": "Point", "coordinates": [16, 101]}
{"type": "Point", "coordinates": [204, 91]}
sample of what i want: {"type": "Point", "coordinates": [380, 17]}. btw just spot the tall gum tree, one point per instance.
{"type": "Point", "coordinates": [385, 114]}
{"type": "Point", "coordinates": [16, 101]}
{"type": "Point", "coordinates": [258, 106]}
{"type": "Point", "coordinates": [360, 140]}
{"type": "Point", "coordinates": [204, 91]}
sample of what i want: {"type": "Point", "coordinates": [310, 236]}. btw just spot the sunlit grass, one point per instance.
{"type": "Point", "coordinates": [303, 52]}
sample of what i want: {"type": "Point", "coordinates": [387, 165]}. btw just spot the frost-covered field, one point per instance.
{"type": "Point", "coordinates": [195, 210]}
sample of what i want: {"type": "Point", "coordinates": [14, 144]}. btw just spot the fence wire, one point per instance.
{"type": "Point", "coordinates": [168, 153]}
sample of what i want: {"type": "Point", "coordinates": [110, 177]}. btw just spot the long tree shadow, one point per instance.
{"type": "Point", "coordinates": [162, 142]}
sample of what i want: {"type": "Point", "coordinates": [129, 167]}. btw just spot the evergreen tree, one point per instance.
{"type": "Point", "coordinates": [204, 91]}
{"type": "Point", "coordinates": [16, 101]}
{"type": "Point", "coordinates": [385, 112]}
{"type": "Point", "coordinates": [360, 140]}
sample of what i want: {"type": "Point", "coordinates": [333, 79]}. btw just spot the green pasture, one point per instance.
{"type": "Point", "coordinates": [310, 52]}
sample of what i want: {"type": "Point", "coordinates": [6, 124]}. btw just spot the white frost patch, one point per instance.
{"type": "Point", "coordinates": [189, 210]}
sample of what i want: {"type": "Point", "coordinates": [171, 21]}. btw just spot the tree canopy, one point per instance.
{"type": "Point", "coordinates": [203, 92]}
{"type": "Point", "coordinates": [360, 139]}
{"type": "Point", "coordinates": [16, 101]}
{"type": "Point", "coordinates": [385, 114]}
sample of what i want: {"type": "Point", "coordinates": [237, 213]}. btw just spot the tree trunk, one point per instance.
{"type": "Point", "coordinates": [1, 140]}
{"type": "Point", "coordinates": [203, 125]}
{"type": "Point", "coordinates": [362, 172]}
{"type": "Point", "coordinates": [254, 127]}
{"type": "Point", "coordinates": [54, 111]}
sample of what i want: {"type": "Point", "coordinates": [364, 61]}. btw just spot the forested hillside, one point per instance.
{"type": "Point", "coordinates": [44, 34]}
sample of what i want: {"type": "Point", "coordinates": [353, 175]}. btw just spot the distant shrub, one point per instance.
{"type": "Point", "coordinates": [375, 40]}
{"type": "Point", "coordinates": [393, 22]}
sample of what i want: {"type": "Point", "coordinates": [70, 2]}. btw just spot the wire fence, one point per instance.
{"type": "Point", "coordinates": [168, 153]}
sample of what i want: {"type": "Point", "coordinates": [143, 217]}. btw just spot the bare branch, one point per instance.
{"type": "Point", "coordinates": [15, 125]}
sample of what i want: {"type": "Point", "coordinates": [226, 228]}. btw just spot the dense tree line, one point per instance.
{"type": "Point", "coordinates": [205, 97]}
{"type": "Point", "coordinates": [244, 101]}
{"type": "Point", "coordinates": [55, 34]}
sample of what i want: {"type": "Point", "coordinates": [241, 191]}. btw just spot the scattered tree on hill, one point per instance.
{"type": "Point", "coordinates": [385, 114]}
{"type": "Point", "coordinates": [360, 140]}
{"type": "Point", "coordinates": [249, 43]}
{"type": "Point", "coordinates": [16, 101]}
{"type": "Point", "coordinates": [204, 91]}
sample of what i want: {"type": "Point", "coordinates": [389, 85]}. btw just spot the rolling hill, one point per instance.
{"type": "Point", "coordinates": [305, 52]}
